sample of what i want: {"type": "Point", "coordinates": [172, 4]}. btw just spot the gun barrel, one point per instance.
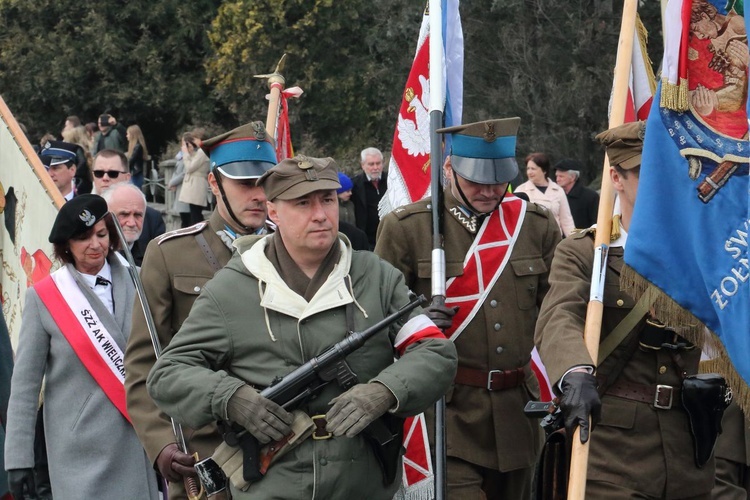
{"type": "Point", "coordinates": [293, 383]}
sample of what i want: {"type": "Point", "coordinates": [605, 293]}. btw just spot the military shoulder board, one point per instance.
{"type": "Point", "coordinates": [194, 229]}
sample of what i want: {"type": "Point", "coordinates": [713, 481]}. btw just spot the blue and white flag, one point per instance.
{"type": "Point", "coordinates": [689, 235]}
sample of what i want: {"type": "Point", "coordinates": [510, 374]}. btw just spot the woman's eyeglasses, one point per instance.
{"type": "Point", "coordinates": [112, 174]}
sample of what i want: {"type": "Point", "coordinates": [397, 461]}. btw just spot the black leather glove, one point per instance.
{"type": "Point", "coordinates": [173, 464]}
{"type": "Point", "coordinates": [357, 408]}
{"type": "Point", "coordinates": [580, 400]}
{"type": "Point", "coordinates": [21, 483]}
{"type": "Point", "coordinates": [263, 418]}
{"type": "Point", "coordinates": [441, 315]}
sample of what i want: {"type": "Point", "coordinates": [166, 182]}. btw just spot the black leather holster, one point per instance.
{"type": "Point", "coordinates": [705, 397]}
{"type": "Point", "coordinates": [385, 436]}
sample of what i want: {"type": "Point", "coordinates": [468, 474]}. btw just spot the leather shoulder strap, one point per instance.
{"type": "Point", "coordinates": [207, 252]}
{"type": "Point", "coordinates": [625, 326]}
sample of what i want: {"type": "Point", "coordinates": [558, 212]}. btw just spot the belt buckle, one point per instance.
{"type": "Point", "coordinates": [324, 434]}
{"type": "Point", "coordinates": [657, 397]}
{"type": "Point", "coordinates": [489, 378]}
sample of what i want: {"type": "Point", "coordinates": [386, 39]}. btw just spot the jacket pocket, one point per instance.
{"type": "Point", "coordinates": [189, 284]}
{"type": "Point", "coordinates": [527, 273]}
{"type": "Point", "coordinates": [619, 413]}
{"type": "Point", "coordinates": [80, 411]}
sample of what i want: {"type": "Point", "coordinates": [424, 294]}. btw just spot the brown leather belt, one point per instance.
{"type": "Point", "coordinates": [493, 380]}
{"type": "Point", "coordinates": [662, 397]}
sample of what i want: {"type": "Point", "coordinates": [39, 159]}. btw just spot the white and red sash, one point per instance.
{"type": "Point", "coordinates": [82, 328]}
{"type": "Point", "coordinates": [484, 262]}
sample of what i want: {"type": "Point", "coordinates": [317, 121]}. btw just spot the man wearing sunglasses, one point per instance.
{"type": "Point", "coordinates": [111, 167]}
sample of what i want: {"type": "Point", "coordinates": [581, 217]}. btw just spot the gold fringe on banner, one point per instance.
{"type": "Point", "coordinates": [642, 34]}
{"type": "Point", "coordinates": [669, 312]}
{"type": "Point", "coordinates": [616, 230]}
{"type": "Point", "coordinates": [674, 96]}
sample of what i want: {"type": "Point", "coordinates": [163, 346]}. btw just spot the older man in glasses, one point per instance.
{"type": "Point", "coordinates": [111, 167]}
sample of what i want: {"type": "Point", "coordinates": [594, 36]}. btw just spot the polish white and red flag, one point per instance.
{"type": "Point", "coordinates": [409, 181]}
{"type": "Point", "coordinates": [642, 83]}
{"type": "Point", "coordinates": [409, 166]}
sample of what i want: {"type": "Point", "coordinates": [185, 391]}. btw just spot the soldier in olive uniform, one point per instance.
{"type": "Point", "coordinates": [733, 457]}
{"type": "Point", "coordinates": [491, 445]}
{"type": "Point", "coordinates": [282, 299]}
{"type": "Point", "coordinates": [641, 446]}
{"type": "Point", "coordinates": [175, 269]}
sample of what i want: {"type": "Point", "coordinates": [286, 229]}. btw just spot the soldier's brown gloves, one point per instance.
{"type": "Point", "coordinates": [580, 400]}
{"type": "Point", "coordinates": [441, 315]}
{"type": "Point", "coordinates": [357, 408]}
{"type": "Point", "coordinates": [263, 418]}
{"type": "Point", "coordinates": [173, 464]}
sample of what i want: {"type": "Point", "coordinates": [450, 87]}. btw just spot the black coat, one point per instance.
{"type": "Point", "coordinates": [584, 205]}
{"type": "Point", "coordinates": [153, 226]}
{"type": "Point", "coordinates": [364, 218]}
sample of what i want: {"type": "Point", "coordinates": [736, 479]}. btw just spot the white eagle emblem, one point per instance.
{"type": "Point", "coordinates": [87, 218]}
{"type": "Point", "coordinates": [415, 137]}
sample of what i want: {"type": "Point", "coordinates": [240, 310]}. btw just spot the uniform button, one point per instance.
{"type": "Point", "coordinates": [493, 303]}
{"type": "Point", "coordinates": [662, 370]}
{"type": "Point", "coordinates": [323, 461]}
{"type": "Point", "coordinates": [620, 302]}
{"type": "Point", "coordinates": [498, 326]}
{"type": "Point", "coordinates": [197, 289]}
{"type": "Point", "coordinates": [499, 349]}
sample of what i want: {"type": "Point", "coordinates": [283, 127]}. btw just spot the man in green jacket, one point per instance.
{"type": "Point", "coordinates": [287, 297]}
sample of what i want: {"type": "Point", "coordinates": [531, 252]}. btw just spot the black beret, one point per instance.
{"type": "Point", "coordinates": [77, 216]}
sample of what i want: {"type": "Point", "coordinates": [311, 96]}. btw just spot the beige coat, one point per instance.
{"type": "Point", "coordinates": [555, 200]}
{"type": "Point", "coordinates": [195, 183]}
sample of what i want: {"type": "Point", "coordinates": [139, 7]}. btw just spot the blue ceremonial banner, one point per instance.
{"type": "Point", "coordinates": [689, 233]}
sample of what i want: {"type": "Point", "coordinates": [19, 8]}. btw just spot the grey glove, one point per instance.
{"type": "Point", "coordinates": [357, 408]}
{"type": "Point", "coordinates": [579, 400]}
{"type": "Point", "coordinates": [441, 315]}
{"type": "Point", "coordinates": [21, 483]}
{"type": "Point", "coordinates": [263, 418]}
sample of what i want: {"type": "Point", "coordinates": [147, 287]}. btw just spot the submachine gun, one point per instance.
{"type": "Point", "coordinates": [305, 383]}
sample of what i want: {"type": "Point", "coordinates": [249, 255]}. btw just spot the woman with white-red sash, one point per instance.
{"type": "Point", "coordinates": [74, 330]}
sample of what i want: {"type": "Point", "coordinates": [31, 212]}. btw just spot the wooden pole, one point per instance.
{"type": "Point", "coordinates": [276, 84]}
{"type": "Point", "coordinates": [592, 329]}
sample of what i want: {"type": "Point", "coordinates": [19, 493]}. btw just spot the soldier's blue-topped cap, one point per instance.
{"type": "Point", "coordinates": [485, 152]}
{"type": "Point", "coordinates": [246, 152]}
{"type": "Point", "coordinates": [58, 152]}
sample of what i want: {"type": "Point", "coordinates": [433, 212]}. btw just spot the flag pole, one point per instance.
{"type": "Point", "coordinates": [437, 101]}
{"type": "Point", "coordinates": [592, 329]}
{"type": "Point", "coordinates": [276, 82]}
